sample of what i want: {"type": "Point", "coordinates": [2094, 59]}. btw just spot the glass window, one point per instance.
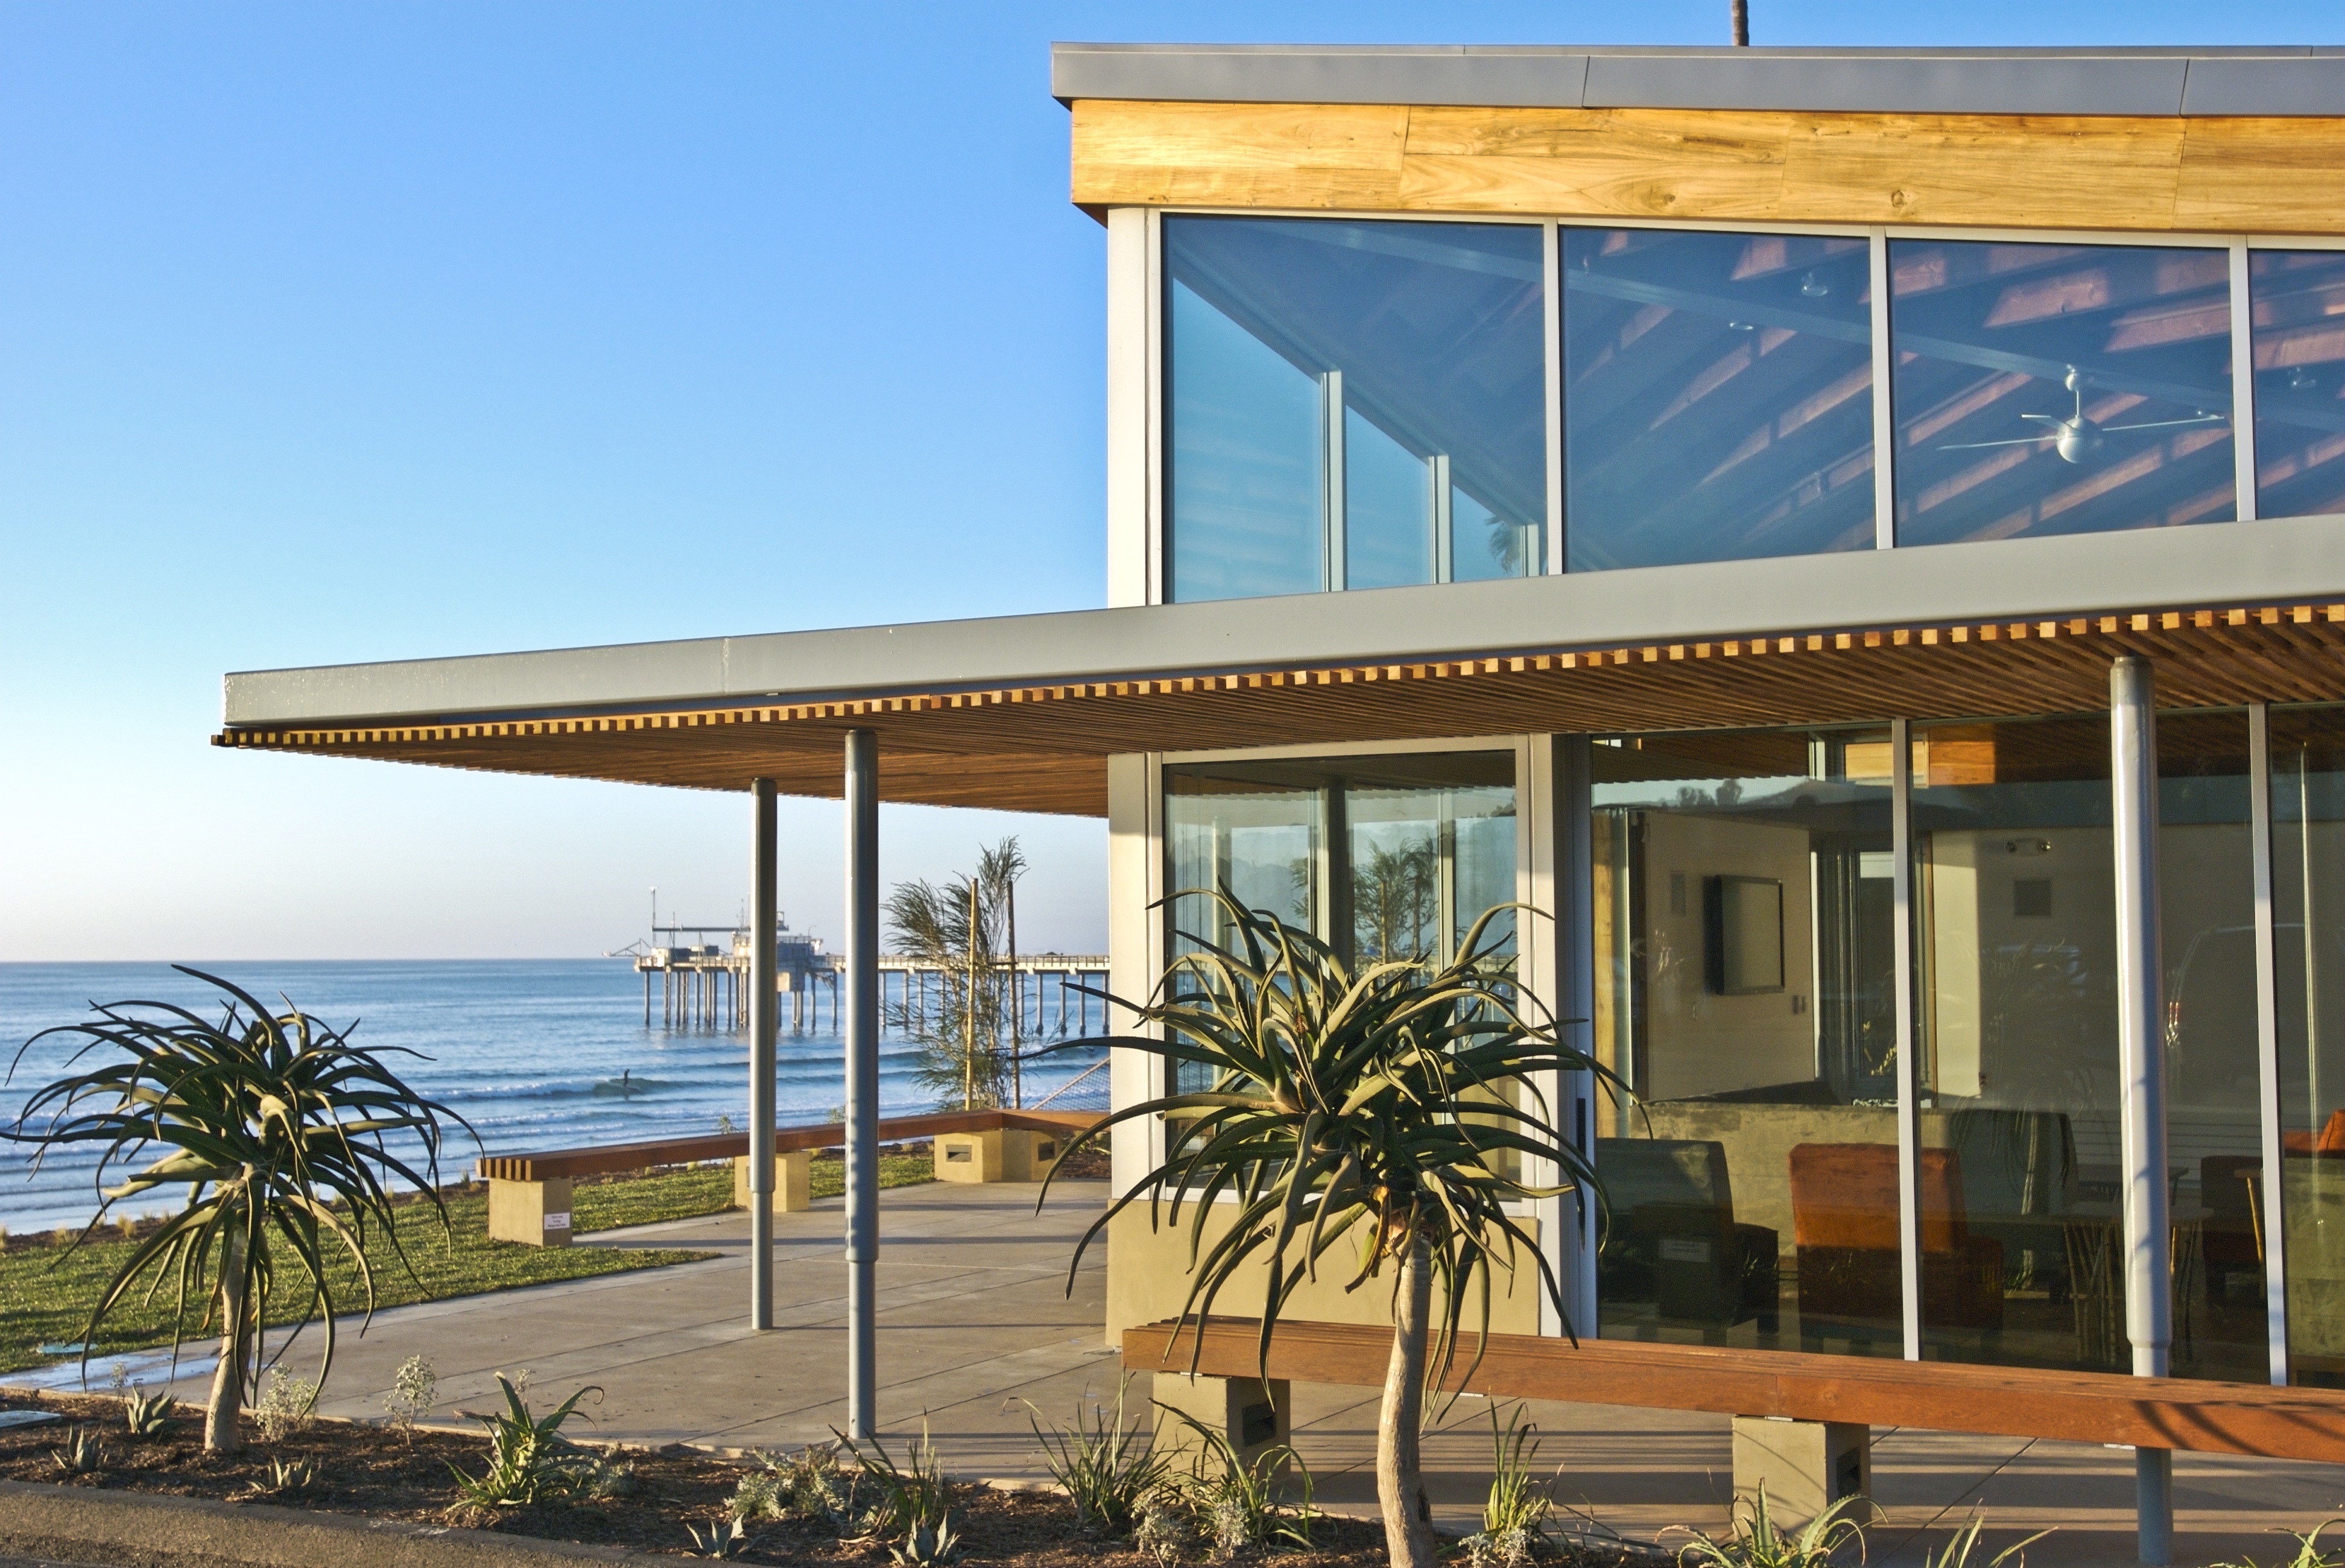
{"type": "Point", "coordinates": [1718, 397]}
{"type": "Point", "coordinates": [2059, 388]}
{"type": "Point", "coordinates": [2307, 783]}
{"type": "Point", "coordinates": [2298, 305]}
{"type": "Point", "coordinates": [2015, 918]}
{"type": "Point", "coordinates": [1352, 404]}
{"type": "Point", "coordinates": [1745, 991]}
{"type": "Point", "coordinates": [1384, 858]}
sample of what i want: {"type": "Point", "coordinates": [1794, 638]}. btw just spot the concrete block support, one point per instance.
{"type": "Point", "coordinates": [1004, 1154]}
{"type": "Point", "coordinates": [793, 1182]}
{"type": "Point", "coordinates": [1805, 1465]}
{"type": "Point", "coordinates": [534, 1213]}
{"type": "Point", "coordinates": [1256, 1416]}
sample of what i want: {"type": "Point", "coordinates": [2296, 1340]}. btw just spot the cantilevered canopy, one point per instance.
{"type": "Point", "coordinates": [1043, 747]}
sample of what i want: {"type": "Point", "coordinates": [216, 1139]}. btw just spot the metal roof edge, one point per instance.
{"type": "Point", "coordinates": [2254, 563]}
{"type": "Point", "coordinates": [2282, 80]}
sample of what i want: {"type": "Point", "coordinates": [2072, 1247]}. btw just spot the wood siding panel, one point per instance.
{"type": "Point", "coordinates": [1240, 155]}
{"type": "Point", "coordinates": [2120, 174]}
{"type": "Point", "coordinates": [2021, 172]}
{"type": "Point", "coordinates": [2264, 176]}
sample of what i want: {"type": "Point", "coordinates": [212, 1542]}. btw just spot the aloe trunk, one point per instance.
{"type": "Point", "coordinates": [1400, 1479]}
{"type": "Point", "coordinates": [221, 1433]}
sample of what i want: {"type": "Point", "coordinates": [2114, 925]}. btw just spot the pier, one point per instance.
{"type": "Point", "coordinates": [703, 983]}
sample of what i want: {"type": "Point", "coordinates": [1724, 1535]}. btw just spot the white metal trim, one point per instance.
{"type": "Point", "coordinates": [1551, 316]}
{"type": "Point", "coordinates": [2243, 384]}
{"type": "Point", "coordinates": [1885, 414]}
{"type": "Point", "coordinates": [1909, 1076]}
{"type": "Point", "coordinates": [1157, 412]}
{"type": "Point", "coordinates": [2259, 834]}
{"type": "Point", "coordinates": [1506, 742]}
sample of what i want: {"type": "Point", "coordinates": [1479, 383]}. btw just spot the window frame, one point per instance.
{"type": "Point", "coordinates": [1157, 409]}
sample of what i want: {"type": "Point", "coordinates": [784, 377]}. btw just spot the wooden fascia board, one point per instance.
{"type": "Point", "coordinates": [2263, 175]}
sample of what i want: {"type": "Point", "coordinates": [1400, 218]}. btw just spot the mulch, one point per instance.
{"type": "Point", "coordinates": [372, 1470]}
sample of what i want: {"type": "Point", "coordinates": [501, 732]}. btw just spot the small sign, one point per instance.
{"type": "Point", "coordinates": [557, 1219]}
{"type": "Point", "coordinates": [1684, 1250]}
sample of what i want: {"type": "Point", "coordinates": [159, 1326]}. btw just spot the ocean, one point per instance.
{"type": "Point", "coordinates": [536, 1053]}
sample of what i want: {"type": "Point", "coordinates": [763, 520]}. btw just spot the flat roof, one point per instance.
{"type": "Point", "coordinates": [2288, 80]}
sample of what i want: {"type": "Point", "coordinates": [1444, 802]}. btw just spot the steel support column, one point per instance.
{"type": "Point", "coordinates": [862, 1034]}
{"type": "Point", "coordinates": [2141, 1048]}
{"type": "Point", "coordinates": [1575, 912]}
{"type": "Point", "coordinates": [765, 914]}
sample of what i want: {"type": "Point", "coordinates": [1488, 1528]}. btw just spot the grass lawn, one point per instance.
{"type": "Point", "coordinates": [46, 1295]}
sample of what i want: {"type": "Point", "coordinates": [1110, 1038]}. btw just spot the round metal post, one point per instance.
{"type": "Point", "coordinates": [2141, 1051]}
{"type": "Point", "coordinates": [764, 916]}
{"type": "Point", "coordinates": [862, 1034]}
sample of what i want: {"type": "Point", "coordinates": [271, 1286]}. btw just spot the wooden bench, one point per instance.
{"type": "Point", "coordinates": [1832, 1401]}
{"type": "Point", "coordinates": [530, 1194]}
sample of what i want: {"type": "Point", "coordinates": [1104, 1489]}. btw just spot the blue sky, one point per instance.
{"type": "Point", "coordinates": [360, 332]}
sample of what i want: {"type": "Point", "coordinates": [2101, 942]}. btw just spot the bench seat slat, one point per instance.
{"type": "Point", "coordinates": [1947, 1396]}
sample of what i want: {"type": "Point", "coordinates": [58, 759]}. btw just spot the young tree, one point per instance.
{"type": "Point", "coordinates": [274, 1125]}
{"type": "Point", "coordinates": [1370, 1110]}
{"type": "Point", "coordinates": [963, 930]}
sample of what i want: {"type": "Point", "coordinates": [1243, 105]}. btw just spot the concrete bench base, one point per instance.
{"type": "Point", "coordinates": [793, 1182]}
{"type": "Point", "coordinates": [998, 1154]}
{"type": "Point", "coordinates": [534, 1213]}
{"type": "Point", "coordinates": [1806, 1466]}
{"type": "Point", "coordinates": [1252, 1415]}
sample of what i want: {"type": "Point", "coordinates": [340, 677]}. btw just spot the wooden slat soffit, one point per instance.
{"type": "Point", "coordinates": [1044, 748]}
{"type": "Point", "coordinates": [2268, 175]}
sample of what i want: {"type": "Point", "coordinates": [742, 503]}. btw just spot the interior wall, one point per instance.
{"type": "Point", "coordinates": [1717, 1044]}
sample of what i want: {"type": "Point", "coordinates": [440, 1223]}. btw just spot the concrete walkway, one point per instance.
{"type": "Point", "coordinates": [976, 1320]}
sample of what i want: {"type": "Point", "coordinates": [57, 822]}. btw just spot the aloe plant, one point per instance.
{"type": "Point", "coordinates": [274, 1127]}
{"type": "Point", "coordinates": [1373, 1109]}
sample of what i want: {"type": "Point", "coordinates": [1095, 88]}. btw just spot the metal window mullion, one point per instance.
{"type": "Point", "coordinates": [1885, 429]}
{"type": "Point", "coordinates": [1332, 568]}
{"type": "Point", "coordinates": [2243, 382]}
{"type": "Point", "coordinates": [1909, 1079]}
{"type": "Point", "coordinates": [1157, 410]}
{"type": "Point", "coordinates": [1437, 473]}
{"type": "Point", "coordinates": [1551, 286]}
{"type": "Point", "coordinates": [2267, 1037]}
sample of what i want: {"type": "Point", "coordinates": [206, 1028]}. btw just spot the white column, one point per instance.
{"type": "Point", "coordinates": [2141, 1015]}
{"type": "Point", "coordinates": [765, 914]}
{"type": "Point", "coordinates": [862, 1032]}
{"type": "Point", "coordinates": [1909, 1074]}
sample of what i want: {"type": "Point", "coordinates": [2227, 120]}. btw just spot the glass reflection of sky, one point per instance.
{"type": "Point", "coordinates": [2059, 388]}
{"type": "Point", "coordinates": [2298, 301]}
{"type": "Point", "coordinates": [1432, 332]}
{"type": "Point", "coordinates": [1716, 397]}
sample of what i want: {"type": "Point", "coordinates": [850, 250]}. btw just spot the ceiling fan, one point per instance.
{"type": "Point", "coordinates": [2077, 438]}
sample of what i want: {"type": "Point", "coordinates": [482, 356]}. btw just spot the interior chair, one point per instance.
{"type": "Point", "coordinates": [2329, 1144]}
{"type": "Point", "coordinates": [2229, 1240]}
{"type": "Point", "coordinates": [2019, 1175]}
{"type": "Point", "coordinates": [1844, 1224]}
{"type": "Point", "coordinates": [1671, 1237]}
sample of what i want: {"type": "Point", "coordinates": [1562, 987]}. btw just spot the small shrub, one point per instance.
{"type": "Point", "coordinates": [812, 1484]}
{"type": "Point", "coordinates": [285, 1405]}
{"type": "Point", "coordinates": [414, 1390]}
{"type": "Point", "coordinates": [915, 1498]}
{"type": "Point", "coordinates": [1758, 1542]}
{"type": "Point", "coordinates": [83, 1453]}
{"type": "Point", "coordinates": [606, 1478]}
{"type": "Point", "coordinates": [725, 1538]}
{"type": "Point", "coordinates": [1107, 1470]}
{"type": "Point", "coordinates": [2308, 1553]}
{"type": "Point", "coordinates": [146, 1415]}
{"type": "Point", "coordinates": [287, 1476]}
{"type": "Point", "coordinates": [758, 1497]}
{"type": "Point", "coordinates": [528, 1456]}
{"type": "Point", "coordinates": [1165, 1529]}
{"type": "Point", "coordinates": [1514, 1517]}
{"type": "Point", "coordinates": [1233, 1504]}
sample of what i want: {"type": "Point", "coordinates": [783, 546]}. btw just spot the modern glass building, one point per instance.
{"type": "Point", "coordinates": [1853, 543]}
